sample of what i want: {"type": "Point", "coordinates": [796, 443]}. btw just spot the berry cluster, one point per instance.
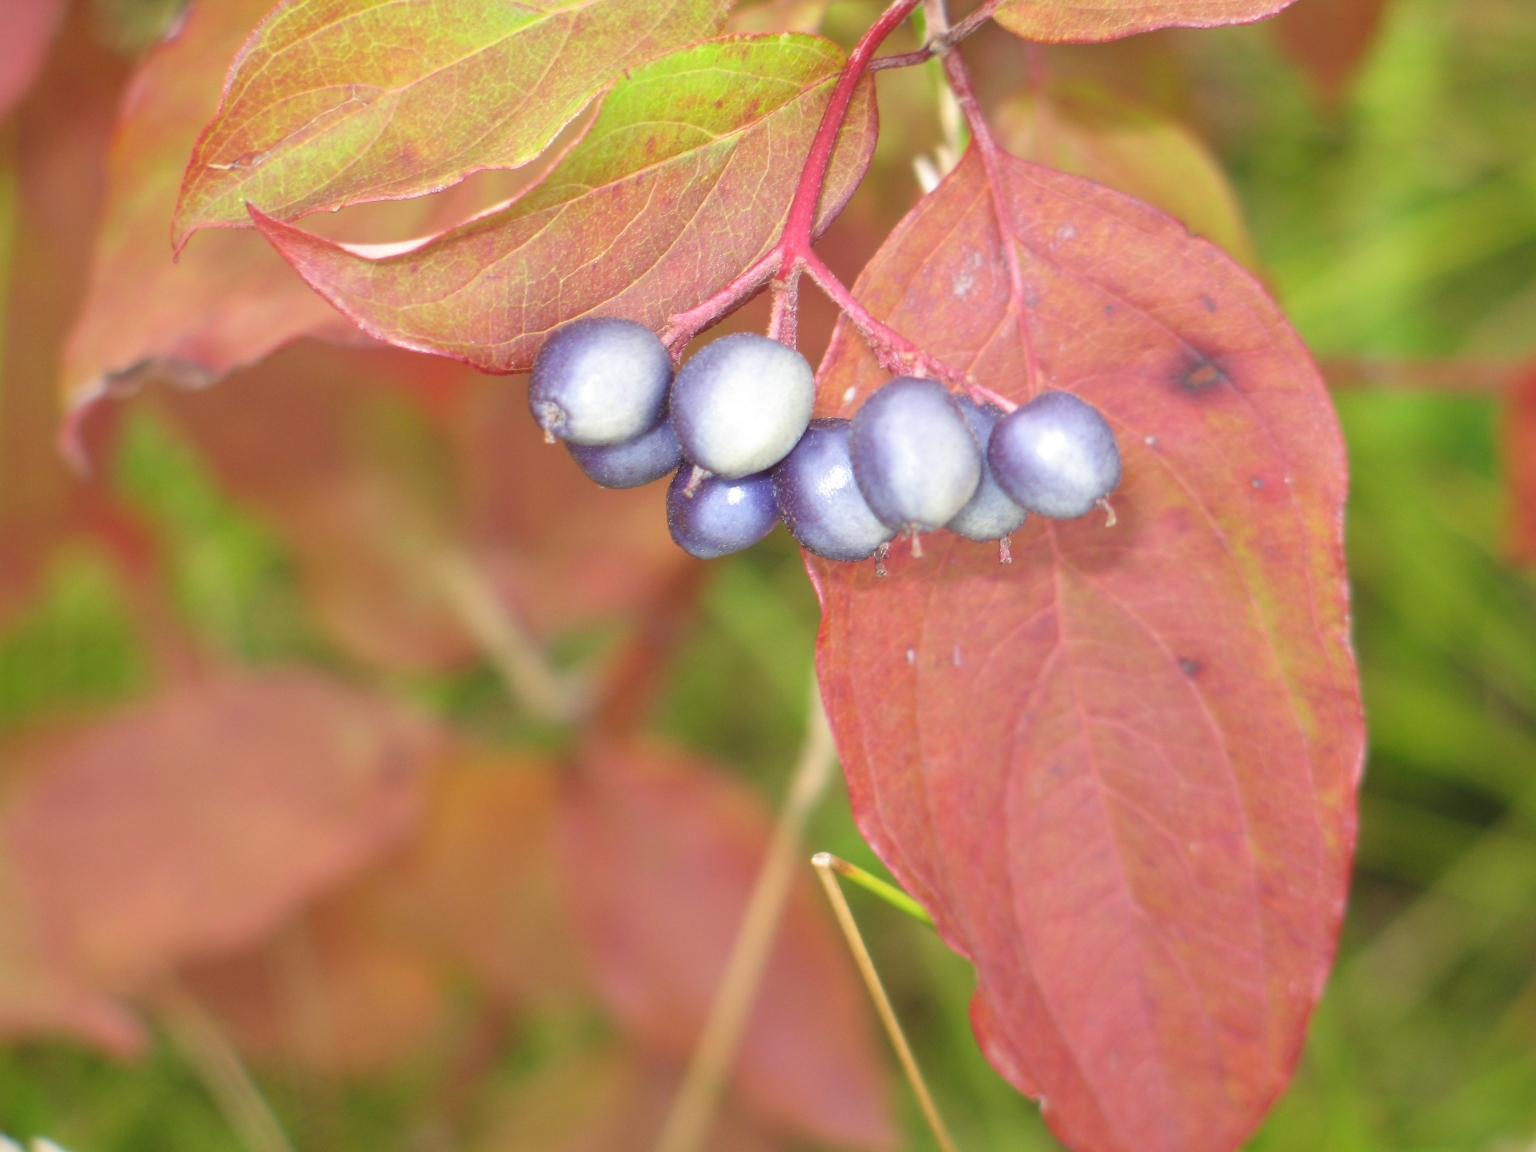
{"type": "Point", "coordinates": [735, 428]}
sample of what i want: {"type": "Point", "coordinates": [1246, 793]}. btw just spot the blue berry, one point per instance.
{"type": "Point", "coordinates": [989, 514]}
{"type": "Point", "coordinates": [913, 455]}
{"type": "Point", "coordinates": [649, 456]}
{"type": "Point", "coordinates": [741, 404]}
{"type": "Point", "coordinates": [1056, 456]}
{"type": "Point", "coordinates": [819, 500]}
{"type": "Point", "coordinates": [599, 381]}
{"type": "Point", "coordinates": [721, 515]}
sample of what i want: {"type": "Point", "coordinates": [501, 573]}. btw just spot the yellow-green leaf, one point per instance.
{"type": "Point", "coordinates": [682, 182]}
{"type": "Point", "coordinates": [334, 102]}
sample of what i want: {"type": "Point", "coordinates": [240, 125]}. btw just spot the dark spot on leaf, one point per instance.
{"type": "Point", "coordinates": [1210, 305]}
{"type": "Point", "coordinates": [1257, 481]}
{"type": "Point", "coordinates": [1190, 668]}
{"type": "Point", "coordinates": [719, 103]}
{"type": "Point", "coordinates": [1201, 376]}
{"type": "Point", "coordinates": [1109, 309]}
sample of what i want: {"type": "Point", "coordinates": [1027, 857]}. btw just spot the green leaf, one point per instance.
{"type": "Point", "coordinates": [335, 102]}
{"type": "Point", "coordinates": [683, 181]}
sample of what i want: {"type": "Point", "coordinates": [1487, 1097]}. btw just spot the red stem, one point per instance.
{"type": "Point", "coordinates": [986, 145]}
{"type": "Point", "coordinates": [802, 210]}
{"type": "Point", "coordinates": [794, 243]}
{"type": "Point", "coordinates": [793, 254]}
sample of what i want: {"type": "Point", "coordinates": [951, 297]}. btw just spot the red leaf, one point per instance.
{"type": "Point", "coordinates": [1520, 464]}
{"type": "Point", "coordinates": [1329, 38]}
{"type": "Point", "coordinates": [304, 440]}
{"type": "Point", "coordinates": [662, 853]}
{"type": "Point", "coordinates": [329, 992]}
{"type": "Point", "coordinates": [60, 134]}
{"type": "Point", "coordinates": [370, 462]}
{"type": "Point", "coordinates": [358, 981]}
{"type": "Point", "coordinates": [480, 885]}
{"type": "Point", "coordinates": [1121, 771]}
{"type": "Point", "coordinates": [230, 300]}
{"type": "Point", "coordinates": [680, 184]}
{"type": "Point", "coordinates": [190, 827]}
{"type": "Point", "coordinates": [1084, 21]}
{"type": "Point", "coordinates": [26, 29]}
{"type": "Point", "coordinates": [335, 102]}
{"type": "Point", "coordinates": [562, 552]}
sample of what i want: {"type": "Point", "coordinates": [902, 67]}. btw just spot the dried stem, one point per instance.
{"type": "Point", "coordinates": [891, 894]}
{"type": "Point", "coordinates": [693, 1111]}
{"type": "Point", "coordinates": [507, 644]}
{"type": "Point", "coordinates": [825, 871]}
{"type": "Point", "coordinates": [203, 1044]}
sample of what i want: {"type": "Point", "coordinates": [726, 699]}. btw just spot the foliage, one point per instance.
{"type": "Point", "coordinates": [258, 771]}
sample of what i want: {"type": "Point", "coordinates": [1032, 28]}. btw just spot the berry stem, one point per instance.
{"type": "Point", "coordinates": [784, 324]}
{"type": "Point", "coordinates": [792, 255]}
{"type": "Point", "coordinates": [684, 326]}
{"type": "Point", "coordinates": [788, 255]}
{"type": "Point", "coordinates": [796, 243]}
{"type": "Point", "coordinates": [991, 160]}
{"type": "Point", "coordinates": [896, 353]}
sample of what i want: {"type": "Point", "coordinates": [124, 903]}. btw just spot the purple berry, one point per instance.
{"type": "Point", "coordinates": [740, 404]}
{"type": "Point", "coordinates": [913, 455]}
{"type": "Point", "coordinates": [989, 514]}
{"type": "Point", "coordinates": [1056, 456]}
{"type": "Point", "coordinates": [649, 456]}
{"type": "Point", "coordinates": [722, 515]}
{"type": "Point", "coordinates": [599, 381]}
{"type": "Point", "coordinates": [819, 500]}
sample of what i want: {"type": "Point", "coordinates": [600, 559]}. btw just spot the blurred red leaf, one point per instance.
{"type": "Point", "coordinates": [43, 990]}
{"type": "Point", "coordinates": [1083, 21]}
{"type": "Point", "coordinates": [607, 1099]}
{"type": "Point", "coordinates": [230, 300]}
{"type": "Point", "coordinates": [480, 884]}
{"type": "Point", "coordinates": [370, 462]}
{"type": "Point", "coordinates": [1083, 129]}
{"type": "Point", "coordinates": [27, 28]}
{"type": "Point", "coordinates": [329, 993]}
{"type": "Point", "coordinates": [61, 130]}
{"type": "Point", "coordinates": [678, 186]}
{"type": "Point", "coordinates": [561, 551]}
{"type": "Point", "coordinates": [1520, 465]}
{"type": "Point", "coordinates": [1329, 38]}
{"type": "Point", "coordinates": [1120, 772]}
{"type": "Point", "coordinates": [778, 16]}
{"type": "Point", "coordinates": [336, 448]}
{"type": "Point", "coordinates": [332, 102]}
{"type": "Point", "coordinates": [662, 852]}
{"type": "Point", "coordinates": [358, 982]}
{"type": "Point", "coordinates": [193, 825]}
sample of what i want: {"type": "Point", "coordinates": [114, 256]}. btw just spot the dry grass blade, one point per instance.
{"type": "Point", "coordinates": [825, 871]}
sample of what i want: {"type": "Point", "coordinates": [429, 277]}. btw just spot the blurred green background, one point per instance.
{"type": "Point", "coordinates": [1399, 223]}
